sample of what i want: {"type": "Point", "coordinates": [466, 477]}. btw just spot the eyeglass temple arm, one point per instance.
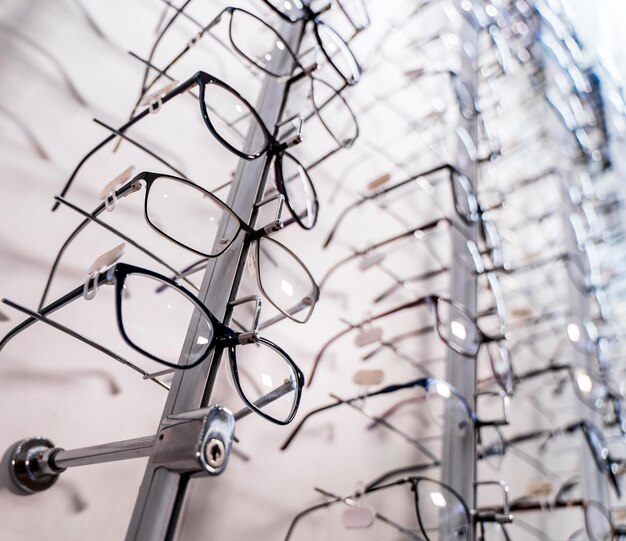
{"type": "Point", "coordinates": [383, 422]}
{"type": "Point", "coordinates": [125, 238]}
{"type": "Point", "coordinates": [154, 155]}
{"type": "Point", "coordinates": [380, 193]}
{"type": "Point", "coordinates": [268, 398]}
{"type": "Point", "coordinates": [391, 311]}
{"type": "Point", "coordinates": [541, 371]}
{"type": "Point", "coordinates": [38, 316]}
{"type": "Point", "coordinates": [127, 189]}
{"type": "Point", "coordinates": [391, 342]}
{"type": "Point", "coordinates": [146, 87]}
{"type": "Point", "coordinates": [399, 283]}
{"type": "Point", "coordinates": [415, 468]}
{"type": "Point", "coordinates": [390, 240]}
{"type": "Point", "coordinates": [178, 90]}
{"type": "Point", "coordinates": [395, 407]}
{"type": "Point", "coordinates": [385, 390]}
{"type": "Point", "coordinates": [377, 515]}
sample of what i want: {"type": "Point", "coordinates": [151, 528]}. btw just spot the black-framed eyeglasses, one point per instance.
{"type": "Point", "coordinates": [274, 382]}
{"type": "Point", "coordinates": [333, 47]}
{"type": "Point", "coordinates": [177, 208]}
{"type": "Point", "coordinates": [440, 511]}
{"type": "Point", "coordinates": [256, 41]}
{"type": "Point", "coordinates": [229, 117]}
{"type": "Point", "coordinates": [456, 328]}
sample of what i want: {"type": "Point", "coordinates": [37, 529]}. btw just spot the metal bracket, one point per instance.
{"type": "Point", "coordinates": [197, 442]}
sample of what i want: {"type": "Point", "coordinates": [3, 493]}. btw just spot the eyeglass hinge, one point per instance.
{"type": "Point", "coordinates": [276, 225]}
{"type": "Point", "coordinates": [248, 337]}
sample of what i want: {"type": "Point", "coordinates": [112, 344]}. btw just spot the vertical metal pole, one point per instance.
{"type": "Point", "coordinates": [161, 492]}
{"type": "Point", "coordinates": [458, 461]}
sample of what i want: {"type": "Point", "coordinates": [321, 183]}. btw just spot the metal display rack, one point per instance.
{"type": "Point", "coordinates": [195, 436]}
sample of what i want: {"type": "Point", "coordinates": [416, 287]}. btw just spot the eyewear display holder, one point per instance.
{"type": "Point", "coordinates": [162, 491]}
{"type": "Point", "coordinates": [458, 459]}
{"type": "Point", "coordinates": [193, 437]}
{"type": "Point", "coordinates": [594, 483]}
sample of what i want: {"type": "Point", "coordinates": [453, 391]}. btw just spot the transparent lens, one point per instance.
{"type": "Point", "coordinates": [598, 522]}
{"type": "Point", "coordinates": [491, 447]}
{"type": "Point", "coordinates": [157, 323]}
{"type": "Point", "coordinates": [356, 12]}
{"type": "Point", "coordinates": [188, 215]}
{"type": "Point", "coordinates": [464, 97]}
{"type": "Point", "coordinates": [446, 409]}
{"type": "Point", "coordinates": [442, 515]}
{"type": "Point", "coordinates": [232, 118]}
{"type": "Point", "coordinates": [267, 379]}
{"type": "Point", "coordinates": [259, 43]}
{"type": "Point", "coordinates": [465, 201]}
{"type": "Point", "coordinates": [299, 191]}
{"type": "Point", "coordinates": [500, 365]}
{"type": "Point", "coordinates": [336, 49]}
{"type": "Point", "coordinates": [577, 274]}
{"type": "Point", "coordinates": [334, 113]}
{"type": "Point", "coordinates": [592, 392]}
{"type": "Point", "coordinates": [290, 8]}
{"type": "Point", "coordinates": [285, 281]}
{"type": "Point", "coordinates": [597, 446]}
{"type": "Point", "coordinates": [456, 328]}
{"type": "Point", "coordinates": [493, 532]}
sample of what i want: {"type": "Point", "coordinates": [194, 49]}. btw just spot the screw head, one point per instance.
{"type": "Point", "coordinates": [214, 453]}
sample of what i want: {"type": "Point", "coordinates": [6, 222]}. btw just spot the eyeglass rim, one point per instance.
{"type": "Point", "coordinates": [121, 271]}
{"type": "Point", "coordinates": [151, 178]}
{"type": "Point", "coordinates": [232, 355]}
{"type": "Point", "coordinates": [299, 261]}
{"type": "Point", "coordinates": [280, 185]}
{"type": "Point", "coordinates": [415, 481]}
{"type": "Point", "coordinates": [337, 95]}
{"type": "Point", "coordinates": [232, 10]}
{"type": "Point", "coordinates": [356, 76]}
{"type": "Point", "coordinates": [204, 79]}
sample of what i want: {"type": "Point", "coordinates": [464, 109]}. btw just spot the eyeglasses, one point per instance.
{"type": "Point", "coordinates": [594, 439]}
{"type": "Point", "coordinates": [598, 523]}
{"type": "Point", "coordinates": [592, 392]}
{"type": "Point", "coordinates": [256, 41]}
{"type": "Point", "coordinates": [446, 405]}
{"type": "Point", "coordinates": [440, 512]}
{"type": "Point", "coordinates": [273, 384]}
{"type": "Point", "coordinates": [177, 208]}
{"type": "Point", "coordinates": [333, 47]}
{"type": "Point", "coordinates": [465, 203]}
{"type": "Point", "coordinates": [374, 254]}
{"type": "Point", "coordinates": [228, 116]}
{"type": "Point", "coordinates": [456, 328]}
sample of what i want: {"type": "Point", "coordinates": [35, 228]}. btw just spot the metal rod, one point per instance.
{"type": "Point", "coordinates": [162, 492]}
{"type": "Point", "coordinates": [108, 452]}
{"type": "Point", "coordinates": [459, 455]}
